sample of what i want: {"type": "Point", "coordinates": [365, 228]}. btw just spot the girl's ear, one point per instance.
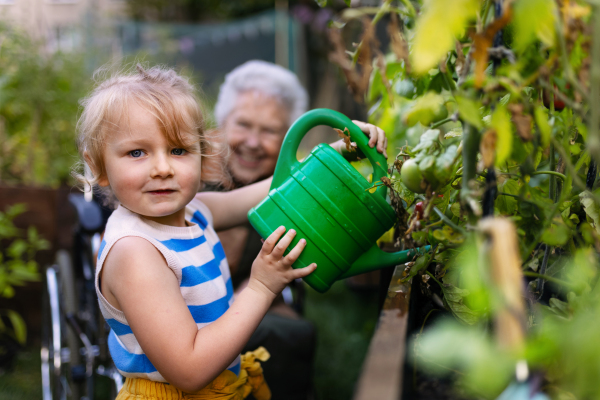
{"type": "Point", "coordinates": [102, 180]}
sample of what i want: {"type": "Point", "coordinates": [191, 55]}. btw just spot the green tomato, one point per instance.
{"type": "Point", "coordinates": [442, 113]}
{"type": "Point", "coordinates": [411, 176]}
{"type": "Point", "coordinates": [427, 167]}
{"type": "Point", "coordinates": [405, 88]}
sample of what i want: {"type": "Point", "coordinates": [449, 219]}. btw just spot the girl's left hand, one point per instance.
{"type": "Point", "coordinates": [376, 138]}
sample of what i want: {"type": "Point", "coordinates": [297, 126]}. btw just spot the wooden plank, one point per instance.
{"type": "Point", "coordinates": [381, 376]}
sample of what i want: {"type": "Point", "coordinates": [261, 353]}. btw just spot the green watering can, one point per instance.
{"type": "Point", "coordinates": [327, 202]}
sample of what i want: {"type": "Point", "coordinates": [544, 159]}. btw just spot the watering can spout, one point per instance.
{"type": "Point", "coordinates": [375, 258]}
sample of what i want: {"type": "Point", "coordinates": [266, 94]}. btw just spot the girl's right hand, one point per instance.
{"type": "Point", "coordinates": [271, 271]}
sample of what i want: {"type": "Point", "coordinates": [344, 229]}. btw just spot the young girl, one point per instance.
{"type": "Point", "coordinates": [162, 278]}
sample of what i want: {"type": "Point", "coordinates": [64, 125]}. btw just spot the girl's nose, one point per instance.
{"type": "Point", "coordinates": [161, 167]}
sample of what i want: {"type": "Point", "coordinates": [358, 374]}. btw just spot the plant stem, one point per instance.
{"type": "Point", "coordinates": [443, 217]}
{"type": "Point", "coordinates": [552, 185]}
{"type": "Point", "coordinates": [433, 277]}
{"type": "Point", "coordinates": [553, 173]}
{"type": "Point", "coordinates": [517, 197]}
{"type": "Point", "coordinates": [470, 141]}
{"type": "Point", "coordinates": [538, 236]}
{"type": "Point", "coordinates": [540, 280]}
{"type": "Point", "coordinates": [547, 278]}
{"type": "Point", "coordinates": [448, 221]}
{"type": "Point", "coordinates": [577, 182]}
{"type": "Point", "coordinates": [442, 122]}
{"type": "Point", "coordinates": [594, 120]}
{"type": "Point", "coordinates": [409, 7]}
{"type": "Point", "coordinates": [441, 221]}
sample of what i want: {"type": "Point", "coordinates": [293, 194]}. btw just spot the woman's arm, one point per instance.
{"type": "Point", "coordinates": [137, 281]}
{"type": "Point", "coordinates": [230, 209]}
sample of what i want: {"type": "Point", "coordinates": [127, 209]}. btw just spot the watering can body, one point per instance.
{"type": "Point", "coordinates": [329, 204]}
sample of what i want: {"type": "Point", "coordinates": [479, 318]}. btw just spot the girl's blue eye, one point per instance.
{"type": "Point", "coordinates": [178, 152]}
{"type": "Point", "coordinates": [136, 153]}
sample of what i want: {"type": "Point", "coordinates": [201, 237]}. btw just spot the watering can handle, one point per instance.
{"type": "Point", "coordinates": [323, 116]}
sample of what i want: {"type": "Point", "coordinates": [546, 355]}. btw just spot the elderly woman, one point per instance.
{"type": "Point", "coordinates": [257, 103]}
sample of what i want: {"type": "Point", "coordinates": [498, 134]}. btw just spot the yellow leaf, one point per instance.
{"type": "Point", "coordinates": [534, 19]}
{"type": "Point", "coordinates": [436, 30]}
{"type": "Point", "coordinates": [501, 124]}
{"type": "Point", "coordinates": [541, 119]}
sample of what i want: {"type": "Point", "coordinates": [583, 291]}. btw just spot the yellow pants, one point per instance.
{"type": "Point", "coordinates": [226, 386]}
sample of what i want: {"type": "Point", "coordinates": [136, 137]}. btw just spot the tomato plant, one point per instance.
{"type": "Point", "coordinates": [492, 105]}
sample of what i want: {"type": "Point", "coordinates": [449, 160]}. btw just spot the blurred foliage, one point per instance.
{"type": "Point", "coordinates": [39, 93]}
{"type": "Point", "coordinates": [17, 267]}
{"type": "Point", "coordinates": [490, 107]}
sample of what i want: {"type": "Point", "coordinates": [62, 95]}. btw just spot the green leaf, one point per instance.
{"type": "Point", "coordinates": [376, 87]}
{"type": "Point", "coordinates": [501, 124]}
{"type": "Point", "coordinates": [454, 298]}
{"type": "Point", "coordinates": [483, 368]}
{"type": "Point", "coordinates": [15, 210]}
{"type": "Point", "coordinates": [403, 192]}
{"type": "Point", "coordinates": [444, 164]}
{"type": "Point", "coordinates": [533, 19]}
{"type": "Point", "coordinates": [455, 208]}
{"type": "Point", "coordinates": [347, 2]}
{"type": "Point", "coordinates": [18, 325]}
{"type": "Point", "coordinates": [469, 111]}
{"type": "Point", "coordinates": [541, 119]}
{"type": "Point", "coordinates": [437, 28]}
{"type": "Point", "coordinates": [454, 133]}
{"type": "Point", "coordinates": [559, 308]}
{"type": "Point", "coordinates": [556, 235]}
{"type": "Point", "coordinates": [425, 109]}
{"type": "Point", "coordinates": [507, 205]}
{"type": "Point", "coordinates": [420, 264]}
{"type": "Point", "coordinates": [428, 138]}
{"type": "Point", "coordinates": [591, 209]}
{"type": "Point", "coordinates": [420, 237]}
{"type": "Point", "coordinates": [17, 248]}
{"type": "Point", "coordinates": [321, 3]}
{"type": "Point", "coordinates": [582, 269]}
{"type": "Point", "coordinates": [448, 236]}
{"type": "Point", "coordinates": [427, 168]}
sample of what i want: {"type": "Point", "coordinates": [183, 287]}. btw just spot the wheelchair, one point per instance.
{"type": "Point", "coordinates": [74, 351]}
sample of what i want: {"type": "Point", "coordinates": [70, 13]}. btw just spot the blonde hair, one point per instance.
{"type": "Point", "coordinates": [169, 97]}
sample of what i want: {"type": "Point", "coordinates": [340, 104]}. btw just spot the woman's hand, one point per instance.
{"type": "Point", "coordinates": [376, 138]}
{"type": "Point", "coordinates": [271, 271]}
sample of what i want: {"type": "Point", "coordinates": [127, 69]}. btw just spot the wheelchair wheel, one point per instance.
{"type": "Point", "coordinates": [53, 369]}
{"type": "Point", "coordinates": [59, 344]}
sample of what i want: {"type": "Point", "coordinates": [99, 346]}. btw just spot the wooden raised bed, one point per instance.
{"type": "Point", "coordinates": [50, 212]}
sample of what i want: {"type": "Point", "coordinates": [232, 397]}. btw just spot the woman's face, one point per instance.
{"type": "Point", "coordinates": [255, 130]}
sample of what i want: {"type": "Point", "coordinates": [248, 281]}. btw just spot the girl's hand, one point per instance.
{"type": "Point", "coordinates": [271, 271]}
{"type": "Point", "coordinates": [376, 138]}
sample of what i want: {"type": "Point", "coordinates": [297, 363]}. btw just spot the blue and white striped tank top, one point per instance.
{"type": "Point", "coordinates": [196, 257]}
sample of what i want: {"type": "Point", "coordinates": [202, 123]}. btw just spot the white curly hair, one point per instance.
{"type": "Point", "coordinates": [263, 77]}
